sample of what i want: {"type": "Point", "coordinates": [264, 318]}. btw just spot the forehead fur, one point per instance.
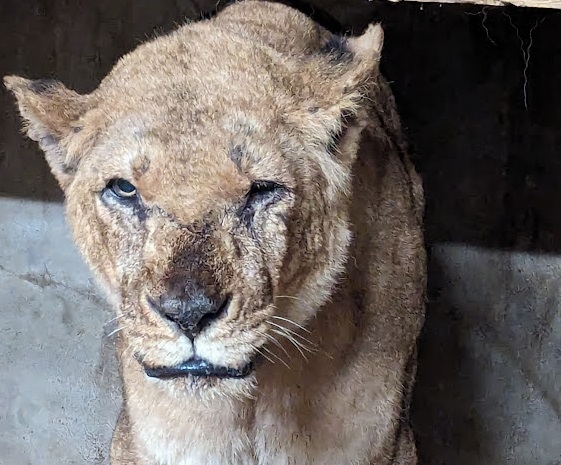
{"type": "Point", "coordinates": [209, 101]}
{"type": "Point", "coordinates": [226, 98]}
{"type": "Point", "coordinates": [245, 41]}
{"type": "Point", "coordinates": [228, 66]}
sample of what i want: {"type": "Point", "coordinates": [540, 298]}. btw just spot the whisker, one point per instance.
{"type": "Point", "coordinates": [276, 356]}
{"type": "Point", "coordinates": [292, 322]}
{"type": "Point", "coordinates": [294, 342]}
{"type": "Point", "coordinates": [294, 333]}
{"type": "Point", "coordinates": [265, 356]}
{"type": "Point", "coordinates": [291, 297]}
{"type": "Point", "coordinates": [256, 349]}
{"type": "Point", "coordinates": [287, 335]}
{"type": "Point", "coordinates": [116, 331]}
{"type": "Point", "coordinates": [127, 349]}
{"type": "Point", "coordinates": [272, 339]}
{"type": "Point", "coordinates": [113, 319]}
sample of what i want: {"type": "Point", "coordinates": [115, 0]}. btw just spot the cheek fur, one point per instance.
{"type": "Point", "coordinates": [110, 241]}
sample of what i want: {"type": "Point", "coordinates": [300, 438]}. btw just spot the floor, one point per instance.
{"type": "Point", "coordinates": [59, 382]}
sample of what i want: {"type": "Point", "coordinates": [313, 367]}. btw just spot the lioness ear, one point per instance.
{"type": "Point", "coordinates": [338, 114]}
{"type": "Point", "coordinates": [364, 52]}
{"type": "Point", "coordinates": [50, 112]}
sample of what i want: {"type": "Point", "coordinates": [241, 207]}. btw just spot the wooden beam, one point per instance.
{"type": "Point", "coordinates": [556, 4]}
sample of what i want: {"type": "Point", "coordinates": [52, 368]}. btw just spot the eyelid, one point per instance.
{"type": "Point", "coordinates": [265, 185]}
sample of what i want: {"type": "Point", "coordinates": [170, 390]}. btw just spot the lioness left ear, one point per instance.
{"type": "Point", "coordinates": [352, 73]}
{"type": "Point", "coordinates": [365, 52]}
{"type": "Point", "coordinates": [51, 112]}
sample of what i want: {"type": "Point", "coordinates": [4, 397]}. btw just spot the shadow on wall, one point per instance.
{"type": "Point", "coordinates": [478, 92]}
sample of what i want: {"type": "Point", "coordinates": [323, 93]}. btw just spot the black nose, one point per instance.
{"type": "Point", "coordinates": [190, 308]}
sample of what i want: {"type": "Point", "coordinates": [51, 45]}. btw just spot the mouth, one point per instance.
{"type": "Point", "coordinates": [198, 368]}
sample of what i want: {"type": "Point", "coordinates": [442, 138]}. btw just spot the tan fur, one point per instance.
{"type": "Point", "coordinates": [327, 282]}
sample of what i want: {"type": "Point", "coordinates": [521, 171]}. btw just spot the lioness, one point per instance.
{"type": "Point", "coordinates": [241, 190]}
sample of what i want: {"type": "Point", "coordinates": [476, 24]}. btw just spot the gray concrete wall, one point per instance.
{"type": "Point", "coordinates": [490, 358]}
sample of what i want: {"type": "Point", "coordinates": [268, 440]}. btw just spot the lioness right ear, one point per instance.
{"type": "Point", "coordinates": [51, 112]}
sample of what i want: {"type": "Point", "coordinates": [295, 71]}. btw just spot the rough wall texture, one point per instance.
{"type": "Point", "coordinates": [490, 373]}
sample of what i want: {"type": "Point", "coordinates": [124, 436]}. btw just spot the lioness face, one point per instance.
{"type": "Point", "coordinates": [204, 220]}
{"type": "Point", "coordinates": [207, 183]}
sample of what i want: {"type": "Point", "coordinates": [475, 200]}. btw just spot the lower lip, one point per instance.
{"type": "Point", "coordinates": [198, 368]}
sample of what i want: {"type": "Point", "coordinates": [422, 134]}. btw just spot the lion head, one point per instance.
{"type": "Point", "coordinates": [207, 182]}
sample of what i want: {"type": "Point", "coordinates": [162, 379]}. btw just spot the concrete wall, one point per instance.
{"type": "Point", "coordinates": [489, 377]}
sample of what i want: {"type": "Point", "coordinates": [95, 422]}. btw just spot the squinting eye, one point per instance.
{"type": "Point", "coordinates": [122, 188]}
{"type": "Point", "coordinates": [261, 195]}
{"type": "Point", "coordinates": [261, 187]}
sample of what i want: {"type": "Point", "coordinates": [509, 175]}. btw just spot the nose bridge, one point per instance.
{"type": "Point", "coordinates": [173, 242]}
{"type": "Point", "coordinates": [191, 284]}
{"type": "Point", "coordinates": [191, 294]}
{"type": "Point", "coordinates": [192, 262]}
{"type": "Point", "coordinates": [184, 257]}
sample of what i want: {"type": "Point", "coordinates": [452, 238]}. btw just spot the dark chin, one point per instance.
{"type": "Point", "coordinates": [198, 368]}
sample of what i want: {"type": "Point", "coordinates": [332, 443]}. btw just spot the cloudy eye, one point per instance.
{"type": "Point", "coordinates": [122, 188]}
